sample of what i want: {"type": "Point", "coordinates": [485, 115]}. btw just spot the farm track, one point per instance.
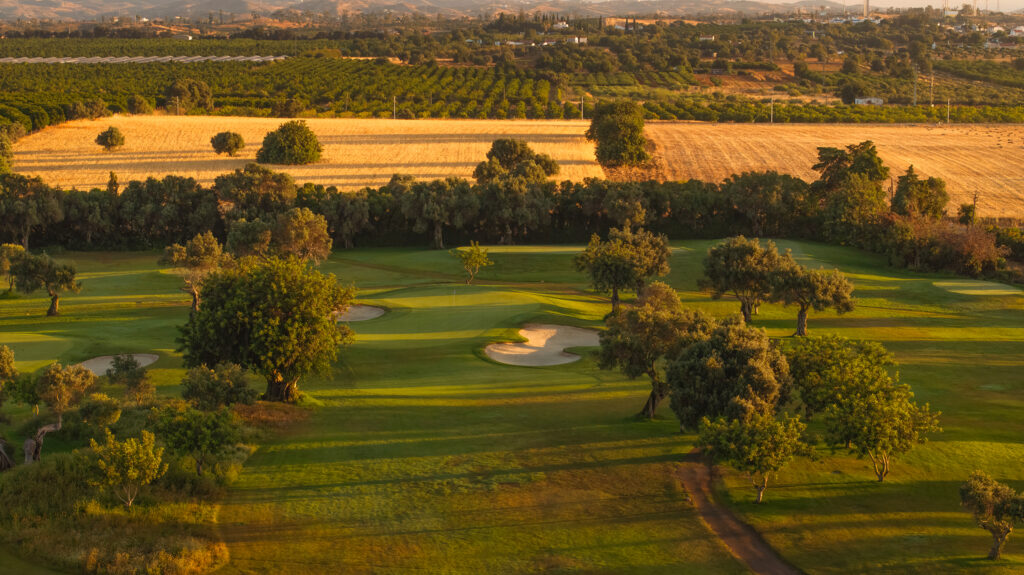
{"type": "Point", "coordinates": [743, 541]}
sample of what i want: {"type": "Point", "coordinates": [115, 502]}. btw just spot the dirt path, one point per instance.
{"type": "Point", "coordinates": [741, 539]}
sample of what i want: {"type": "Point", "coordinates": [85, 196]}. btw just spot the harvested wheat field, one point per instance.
{"type": "Point", "coordinates": [987, 159]}
{"type": "Point", "coordinates": [357, 152]}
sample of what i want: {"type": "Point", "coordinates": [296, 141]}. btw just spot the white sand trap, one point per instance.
{"type": "Point", "coordinates": [977, 287]}
{"type": "Point", "coordinates": [100, 365]}
{"type": "Point", "coordinates": [545, 345]}
{"type": "Point", "coordinates": [361, 313]}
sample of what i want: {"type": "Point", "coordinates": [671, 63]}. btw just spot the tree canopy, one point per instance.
{"type": "Point", "coordinates": [919, 198]}
{"type": "Point", "coordinates": [736, 371]}
{"type": "Point", "coordinates": [32, 273]}
{"type": "Point", "coordinates": [129, 465]}
{"type": "Point", "coordinates": [812, 289]}
{"type": "Point", "coordinates": [293, 143]}
{"type": "Point", "coordinates": [110, 138]}
{"type": "Point", "coordinates": [272, 316]}
{"type": "Point", "coordinates": [626, 260]}
{"type": "Point", "coordinates": [472, 257]}
{"type": "Point", "coordinates": [513, 158]}
{"type": "Point", "coordinates": [199, 257]}
{"type": "Point", "coordinates": [618, 130]}
{"type": "Point", "coordinates": [745, 269]}
{"type": "Point", "coordinates": [229, 143]}
{"type": "Point", "coordinates": [996, 507]}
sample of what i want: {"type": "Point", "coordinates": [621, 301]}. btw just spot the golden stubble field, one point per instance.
{"type": "Point", "coordinates": [987, 159]}
{"type": "Point", "coordinates": [357, 152]}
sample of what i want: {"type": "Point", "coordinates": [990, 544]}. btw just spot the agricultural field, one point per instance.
{"type": "Point", "coordinates": [419, 454]}
{"type": "Point", "coordinates": [357, 152]}
{"type": "Point", "coordinates": [983, 159]}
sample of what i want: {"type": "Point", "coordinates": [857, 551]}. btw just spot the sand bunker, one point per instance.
{"type": "Point", "coordinates": [977, 287]}
{"type": "Point", "coordinates": [361, 313]}
{"type": "Point", "coordinates": [545, 345]}
{"type": "Point", "coordinates": [100, 365]}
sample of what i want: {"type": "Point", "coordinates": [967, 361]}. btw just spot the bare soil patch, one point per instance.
{"type": "Point", "coordinates": [545, 345]}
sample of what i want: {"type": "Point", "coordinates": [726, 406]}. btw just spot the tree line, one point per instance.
{"type": "Point", "coordinates": [513, 200]}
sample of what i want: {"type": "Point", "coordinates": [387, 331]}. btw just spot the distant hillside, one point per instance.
{"type": "Point", "coordinates": [94, 9]}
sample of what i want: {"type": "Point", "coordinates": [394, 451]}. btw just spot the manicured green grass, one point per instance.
{"type": "Point", "coordinates": [422, 455]}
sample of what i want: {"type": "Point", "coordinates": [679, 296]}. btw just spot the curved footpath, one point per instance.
{"type": "Point", "coordinates": [743, 541]}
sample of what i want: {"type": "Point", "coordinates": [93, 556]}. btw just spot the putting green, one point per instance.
{"type": "Point", "coordinates": [977, 287]}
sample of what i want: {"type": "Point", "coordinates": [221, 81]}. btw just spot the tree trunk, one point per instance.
{"type": "Point", "coordinates": [438, 236]}
{"type": "Point", "coordinates": [651, 406]}
{"type": "Point", "coordinates": [195, 299]}
{"type": "Point", "coordinates": [801, 322]}
{"type": "Point", "coordinates": [615, 300]}
{"type": "Point", "coordinates": [998, 541]}
{"type": "Point", "coordinates": [54, 305]}
{"type": "Point", "coordinates": [33, 446]}
{"type": "Point", "coordinates": [278, 389]}
{"type": "Point", "coordinates": [760, 491]}
{"type": "Point", "coordinates": [745, 309]}
{"type": "Point", "coordinates": [199, 467]}
{"type": "Point", "coordinates": [24, 237]}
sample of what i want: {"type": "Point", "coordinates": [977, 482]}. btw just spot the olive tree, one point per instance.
{"type": "Point", "coordinates": [745, 269]}
{"type": "Point", "coordinates": [880, 425]}
{"type": "Point", "coordinates": [472, 258]}
{"type": "Point", "coordinates": [434, 206]}
{"type": "Point", "coordinates": [758, 444]}
{"type": "Point", "coordinates": [618, 130]}
{"type": "Point", "coordinates": [202, 435]}
{"type": "Point", "coordinates": [514, 158]}
{"type": "Point", "coordinates": [227, 143]}
{"type": "Point", "coordinates": [812, 289]}
{"type": "Point", "coordinates": [626, 260]}
{"type": "Point", "coordinates": [827, 369]}
{"type": "Point", "coordinates": [301, 233]}
{"type": "Point", "coordinates": [110, 138]}
{"type": "Point", "coordinates": [199, 257]}
{"type": "Point", "coordinates": [272, 316]}
{"type": "Point", "coordinates": [996, 507]}
{"type": "Point", "coordinates": [9, 253]}
{"type": "Point", "coordinates": [647, 335]}
{"type": "Point", "coordinates": [32, 273]}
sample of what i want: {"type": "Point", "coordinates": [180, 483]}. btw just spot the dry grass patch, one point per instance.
{"type": "Point", "coordinates": [988, 159]}
{"type": "Point", "coordinates": [357, 152]}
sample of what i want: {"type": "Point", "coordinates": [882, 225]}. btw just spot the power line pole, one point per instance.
{"type": "Point", "coordinates": [394, 107]}
{"type": "Point", "coordinates": [771, 117]}
{"type": "Point", "coordinates": [931, 92]}
{"type": "Point", "coordinates": [947, 110]}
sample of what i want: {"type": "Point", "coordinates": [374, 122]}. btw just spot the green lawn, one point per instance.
{"type": "Point", "coordinates": [421, 455]}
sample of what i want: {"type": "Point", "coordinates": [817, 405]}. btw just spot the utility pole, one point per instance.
{"type": "Point", "coordinates": [771, 117]}
{"type": "Point", "coordinates": [931, 92]}
{"type": "Point", "coordinates": [947, 110]}
{"type": "Point", "coordinates": [915, 86]}
{"type": "Point", "coordinates": [394, 107]}
{"type": "Point", "coordinates": [581, 108]}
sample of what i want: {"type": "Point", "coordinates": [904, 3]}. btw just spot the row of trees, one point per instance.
{"type": "Point", "coordinates": [514, 200]}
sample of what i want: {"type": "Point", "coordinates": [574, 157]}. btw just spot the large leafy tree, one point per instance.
{"type": "Point", "coordinates": [32, 273]}
{"type": "Point", "coordinates": [836, 165]}
{"type": "Point", "coordinates": [301, 233]}
{"type": "Point", "coordinates": [641, 340]}
{"type": "Point", "coordinates": [203, 435]}
{"type": "Point", "coordinates": [348, 215]}
{"type": "Point", "coordinates": [921, 198]}
{"type": "Point", "coordinates": [292, 143]}
{"type": "Point", "coordinates": [255, 192]}
{"type": "Point", "coordinates": [127, 466]}
{"type": "Point", "coordinates": [198, 258]}
{"type": "Point", "coordinates": [274, 317]}
{"type": "Point", "coordinates": [434, 206]}
{"type": "Point", "coordinates": [27, 204]}
{"type": "Point", "coordinates": [62, 388]}
{"type": "Point", "coordinates": [618, 130]}
{"type": "Point", "coordinates": [509, 158]}
{"type": "Point", "coordinates": [827, 370]}
{"type": "Point", "coordinates": [515, 207]}
{"type": "Point", "coordinates": [812, 289]}
{"type": "Point", "coordinates": [996, 507]}
{"type": "Point", "coordinates": [626, 260]}
{"type": "Point", "coordinates": [849, 209]}
{"type": "Point", "coordinates": [745, 269]}
{"type": "Point", "coordinates": [758, 444]}
{"type": "Point", "coordinates": [736, 371]}
{"type": "Point", "coordinates": [880, 424]}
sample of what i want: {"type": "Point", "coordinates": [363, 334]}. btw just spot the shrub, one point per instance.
{"type": "Point", "coordinates": [209, 389]}
{"type": "Point", "coordinates": [227, 143]}
{"type": "Point", "coordinates": [618, 129]}
{"type": "Point", "coordinates": [136, 104]}
{"type": "Point", "coordinates": [110, 138]}
{"type": "Point", "coordinates": [293, 143]}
